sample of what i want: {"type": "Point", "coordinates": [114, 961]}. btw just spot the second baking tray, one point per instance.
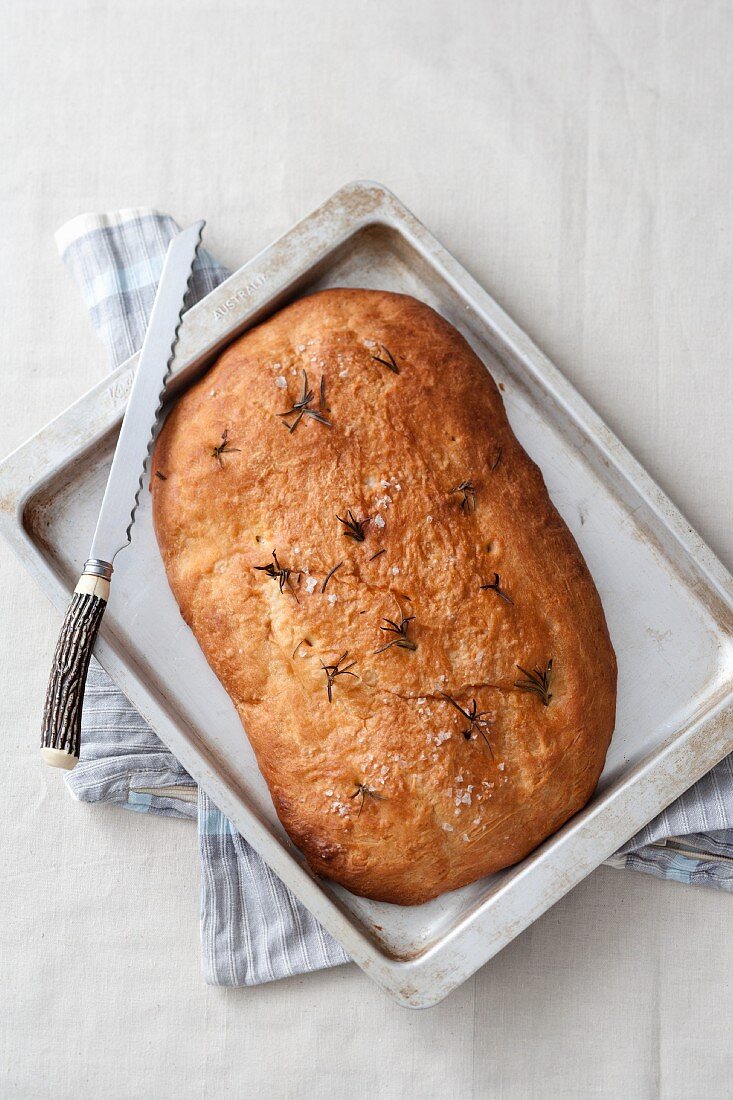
{"type": "Point", "coordinates": [668, 601]}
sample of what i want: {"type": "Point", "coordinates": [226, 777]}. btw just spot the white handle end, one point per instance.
{"type": "Point", "coordinates": [57, 758]}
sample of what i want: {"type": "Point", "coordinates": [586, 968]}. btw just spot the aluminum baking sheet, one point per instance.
{"type": "Point", "coordinates": [668, 601]}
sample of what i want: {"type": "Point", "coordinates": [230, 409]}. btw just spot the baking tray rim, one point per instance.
{"type": "Point", "coordinates": [412, 981]}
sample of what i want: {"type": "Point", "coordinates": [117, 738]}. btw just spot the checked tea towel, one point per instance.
{"type": "Point", "coordinates": [252, 929]}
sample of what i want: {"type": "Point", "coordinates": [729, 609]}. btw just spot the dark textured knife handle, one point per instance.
{"type": "Point", "coordinates": [61, 731]}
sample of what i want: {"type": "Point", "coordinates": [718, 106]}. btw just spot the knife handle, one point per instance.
{"type": "Point", "coordinates": [61, 730]}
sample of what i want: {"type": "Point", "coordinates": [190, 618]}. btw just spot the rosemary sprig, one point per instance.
{"type": "Point", "coordinates": [334, 670]}
{"type": "Point", "coordinates": [497, 460]}
{"type": "Point", "coordinates": [303, 641]}
{"type": "Point", "coordinates": [281, 574]}
{"type": "Point", "coordinates": [476, 720]}
{"type": "Point", "coordinates": [162, 477]}
{"type": "Point", "coordinates": [378, 554]}
{"type": "Point", "coordinates": [301, 407]}
{"type": "Point", "coordinates": [355, 528]}
{"type": "Point", "coordinates": [364, 792]}
{"type": "Point", "coordinates": [389, 362]}
{"type": "Point", "coordinates": [328, 578]}
{"type": "Point", "coordinates": [537, 681]}
{"type": "Point", "coordinates": [468, 504]}
{"type": "Point", "coordinates": [495, 586]}
{"type": "Point", "coordinates": [223, 448]}
{"type": "Point", "coordinates": [400, 629]}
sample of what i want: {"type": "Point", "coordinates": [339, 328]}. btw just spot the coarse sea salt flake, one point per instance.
{"type": "Point", "coordinates": [332, 598]}
{"type": "Point", "coordinates": [378, 520]}
{"type": "Point", "coordinates": [395, 570]}
{"type": "Point", "coordinates": [310, 584]}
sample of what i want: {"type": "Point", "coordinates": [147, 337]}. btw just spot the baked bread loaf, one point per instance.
{"type": "Point", "coordinates": [374, 570]}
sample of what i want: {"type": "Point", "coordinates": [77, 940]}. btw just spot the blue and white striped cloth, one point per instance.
{"type": "Point", "coordinates": [252, 929]}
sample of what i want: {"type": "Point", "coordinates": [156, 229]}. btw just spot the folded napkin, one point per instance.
{"type": "Point", "coordinates": [252, 928]}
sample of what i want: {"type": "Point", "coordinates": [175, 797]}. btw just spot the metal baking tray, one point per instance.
{"type": "Point", "coordinates": [668, 601]}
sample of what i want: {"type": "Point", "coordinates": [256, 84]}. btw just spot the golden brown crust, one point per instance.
{"type": "Point", "coordinates": [379, 788]}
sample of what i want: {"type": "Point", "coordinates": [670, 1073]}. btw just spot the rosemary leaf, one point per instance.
{"type": "Point", "coordinates": [302, 407]}
{"type": "Point", "coordinates": [363, 791]}
{"type": "Point", "coordinates": [402, 641]}
{"type": "Point", "coordinates": [477, 720]}
{"type": "Point", "coordinates": [537, 681]}
{"type": "Point", "coordinates": [495, 586]}
{"type": "Point", "coordinates": [334, 670]}
{"type": "Point", "coordinates": [281, 574]}
{"type": "Point", "coordinates": [468, 504]}
{"type": "Point", "coordinates": [355, 528]}
{"type": "Point", "coordinates": [328, 578]}
{"type": "Point", "coordinates": [388, 362]}
{"type": "Point", "coordinates": [222, 448]}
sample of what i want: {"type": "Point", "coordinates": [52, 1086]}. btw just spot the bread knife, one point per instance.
{"type": "Point", "coordinates": [61, 729]}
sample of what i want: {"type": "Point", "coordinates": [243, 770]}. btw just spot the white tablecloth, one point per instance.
{"type": "Point", "coordinates": [577, 157]}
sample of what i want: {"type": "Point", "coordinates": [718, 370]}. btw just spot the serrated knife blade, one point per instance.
{"type": "Point", "coordinates": [61, 729]}
{"type": "Point", "coordinates": [117, 514]}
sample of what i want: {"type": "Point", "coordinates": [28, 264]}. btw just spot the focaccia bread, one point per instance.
{"type": "Point", "coordinates": [374, 570]}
